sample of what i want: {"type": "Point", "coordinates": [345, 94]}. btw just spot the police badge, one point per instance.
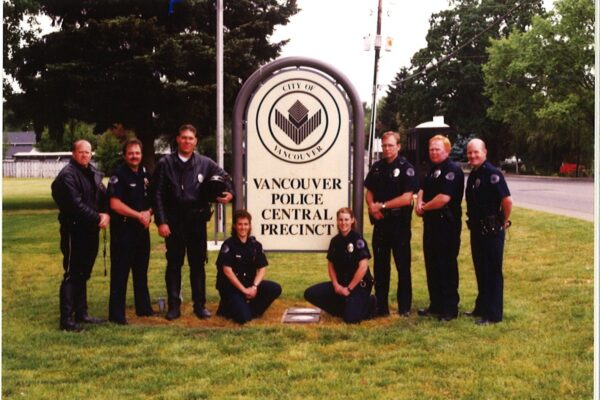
{"type": "Point", "coordinates": [350, 248]}
{"type": "Point", "coordinates": [436, 173]}
{"type": "Point", "coordinates": [477, 182]}
{"type": "Point", "coordinates": [396, 172]}
{"type": "Point", "coordinates": [200, 178]}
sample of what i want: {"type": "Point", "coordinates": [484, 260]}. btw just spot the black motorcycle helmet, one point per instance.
{"type": "Point", "coordinates": [215, 187]}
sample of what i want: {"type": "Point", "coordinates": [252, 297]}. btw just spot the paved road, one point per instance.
{"type": "Point", "coordinates": [564, 196]}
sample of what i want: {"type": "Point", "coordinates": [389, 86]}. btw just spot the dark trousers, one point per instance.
{"type": "Point", "coordinates": [392, 235]}
{"type": "Point", "coordinates": [234, 304]}
{"type": "Point", "coordinates": [441, 244]}
{"type": "Point", "coordinates": [129, 250]}
{"type": "Point", "coordinates": [352, 309]}
{"type": "Point", "coordinates": [189, 237]}
{"type": "Point", "coordinates": [487, 253]}
{"type": "Point", "coordinates": [79, 246]}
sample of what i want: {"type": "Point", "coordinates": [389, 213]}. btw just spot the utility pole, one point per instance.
{"type": "Point", "coordinates": [375, 70]}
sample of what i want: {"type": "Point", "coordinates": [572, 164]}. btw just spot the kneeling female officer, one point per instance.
{"type": "Point", "coordinates": [240, 274]}
{"type": "Point", "coordinates": [348, 293]}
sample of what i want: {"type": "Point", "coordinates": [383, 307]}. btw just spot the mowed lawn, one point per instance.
{"type": "Point", "coordinates": [542, 350]}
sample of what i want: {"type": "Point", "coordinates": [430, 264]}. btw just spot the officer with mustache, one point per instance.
{"type": "Point", "coordinates": [129, 193]}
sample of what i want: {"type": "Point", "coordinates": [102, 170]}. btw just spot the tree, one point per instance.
{"type": "Point", "coordinates": [445, 78]}
{"type": "Point", "coordinates": [134, 63]}
{"type": "Point", "coordinates": [541, 83]}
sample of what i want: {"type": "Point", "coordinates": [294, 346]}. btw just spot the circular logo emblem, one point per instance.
{"type": "Point", "coordinates": [298, 120]}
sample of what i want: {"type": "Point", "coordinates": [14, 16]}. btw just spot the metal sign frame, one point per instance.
{"type": "Point", "coordinates": [244, 99]}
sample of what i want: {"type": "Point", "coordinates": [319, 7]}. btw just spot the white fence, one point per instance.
{"type": "Point", "coordinates": [32, 169]}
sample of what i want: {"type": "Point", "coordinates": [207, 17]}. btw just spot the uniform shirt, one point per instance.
{"type": "Point", "coordinates": [445, 178]}
{"type": "Point", "coordinates": [132, 188]}
{"type": "Point", "coordinates": [345, 252]}
{"type": "Point", "coordinates": [389, 180]}
{"type": "Point", "coordinates": [486, 187]}
{"type": "Point", "coordinates": [243, 258]}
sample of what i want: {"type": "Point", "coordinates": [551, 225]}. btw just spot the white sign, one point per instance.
{"type": "Point", "coordinates": [298, 160]}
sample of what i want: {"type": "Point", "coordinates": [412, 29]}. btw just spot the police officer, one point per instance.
{"type": "Point", "coordinates": [439, 203]}
{"type": "Point", "coordinates": [347, 295]}
{"type": "Point", "coordinates": [129, 198]}
{"type": "Point", "coordinates": [81, 198]}
{"type": "Point", "coordinates": [241, 267]}
{"type": "Point", "coordinates": [390, 184]}
{"type": "Point", "coordinates": [488, 210]}
{"type": "Point", "coordinates": [181, 212]}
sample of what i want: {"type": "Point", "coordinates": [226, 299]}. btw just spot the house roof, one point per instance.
{"type": "Point", "coordinates": [21, 138]}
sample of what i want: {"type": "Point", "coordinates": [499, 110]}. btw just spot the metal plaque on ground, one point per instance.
{"type": "Point", "coordinates": [301, 315]}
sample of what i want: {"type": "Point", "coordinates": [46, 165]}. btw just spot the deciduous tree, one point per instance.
{"type": "Point", "coordinates": [445, 78]}
{"type": "Point", "coordinates": [541, 83]}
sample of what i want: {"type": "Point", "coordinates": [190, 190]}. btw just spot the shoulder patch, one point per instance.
{"type": "Point", "coordinates": [450, 176]}
{"type": "Point", "coordinates": [410, 172]}
{"type": "Point", "coordinates": [224, 249]}
{"type": "Point", "coordinates": [360, 244]}
{"type": "Point", "coordinates": [113, 179]}
{"type": "Point", "coordinates": [494, 178]}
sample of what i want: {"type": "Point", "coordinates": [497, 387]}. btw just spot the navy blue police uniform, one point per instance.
{"type": "Point", "coordinates": [129, 243]}
{"type": "Point", "coordinates": [392, 233]}
{"type": "Point", "coordinates": [245, 259]}
{"type": "Point", "coordinates": [182, 201]}
{"type": "Point", "coordinates": [80, 196]}
{"type": "Point", "coordinates": [345, 253]}
{"type": "Point", "coordinates": [486, 187]}
{"type": "Point", "coordinates": [441, 238]}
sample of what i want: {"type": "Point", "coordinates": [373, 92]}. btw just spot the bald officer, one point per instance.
{"type": "Point", "coordinates": [81, 198]}
{"type": "Point", "coordinates": [488, 210]}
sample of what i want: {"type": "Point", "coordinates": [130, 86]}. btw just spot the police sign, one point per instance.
{"type": "Point", "coordinates": [297, 165]}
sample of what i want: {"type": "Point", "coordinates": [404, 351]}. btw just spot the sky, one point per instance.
{"type": "Point", "coordinates": [332, 31]}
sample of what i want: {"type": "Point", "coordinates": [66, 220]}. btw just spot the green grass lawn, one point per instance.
{"type": "Point", "coordinates": [542, 350]}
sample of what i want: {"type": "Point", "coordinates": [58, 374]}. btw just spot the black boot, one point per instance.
{"type": "Point", "coordinates": [173, 296]}
{"type": "Point", "coordinates": [174, 311]}
{"type": "Point", "coordinates": [67, 323]}
{"type": "Point", "coordinates": [81, 308]}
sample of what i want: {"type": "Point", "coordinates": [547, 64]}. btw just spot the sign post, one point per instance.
{"type": "Point", "coordinates": [293, 166]}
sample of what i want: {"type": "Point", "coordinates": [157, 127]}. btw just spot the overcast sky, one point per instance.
{"type": "Point", "coordinates": [332, 31]}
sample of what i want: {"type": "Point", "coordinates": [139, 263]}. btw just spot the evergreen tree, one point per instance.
{"type": "Point", "coordinates": [146, 64]}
